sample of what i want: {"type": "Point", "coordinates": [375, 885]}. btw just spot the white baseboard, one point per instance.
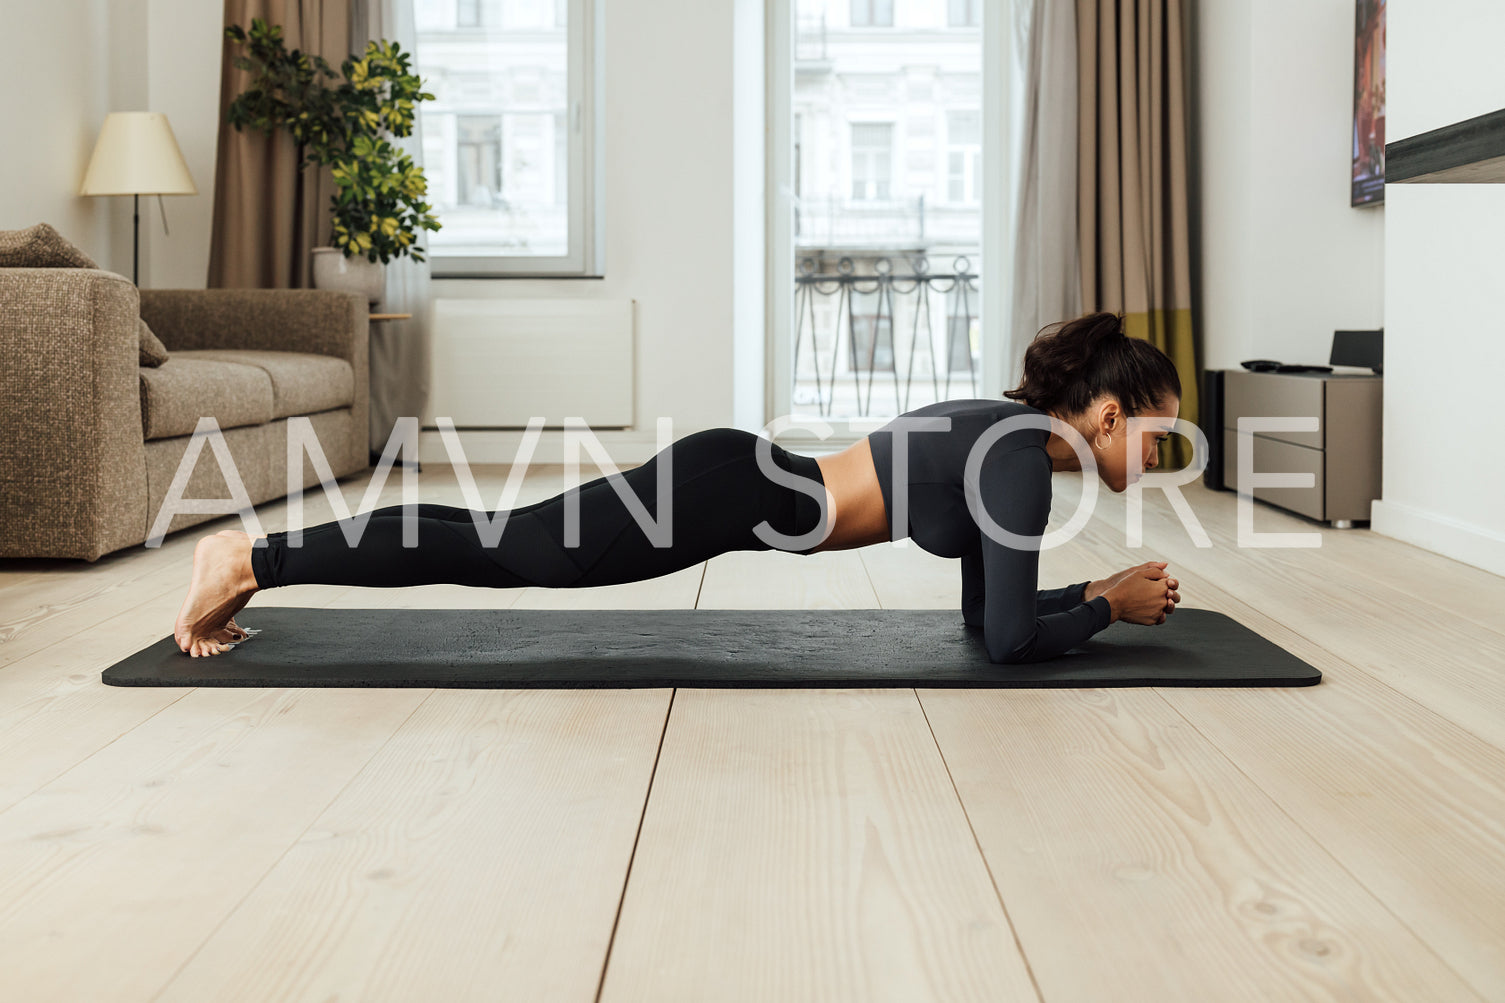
{"type": "Point", "coordinates": [1440, 534]}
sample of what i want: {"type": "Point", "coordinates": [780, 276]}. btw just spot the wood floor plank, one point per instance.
{"type": "Point", "coordinates": [116, 870]}
{"type": "Point", "coordinates": [1354, 556]}
{"type": "Point", "coordinates": [807, 845]}
{"type": "Point", "coordinates": [1120, 837]}
{"type": "Point", "coordinates": [755, 579]}
{"type": "Point", "coordinates": [54, 710]}
{"type": "Point", "coordinates": [480, 855]}
{"type": "Point", "coordinates": [1410, 802]}
{"type": "Point", "coordinates": [76, 596]}
{"type": "Point", "coordinates": [1407, 800]}
{"type": "Point", "coordinates": [1405, 794]}
{"type": "Point", "coordinates": [74, 600]}
{"type": "Point", "coordinates": [1389, 622]}
{"type": "Point", "coordinates": [906, 577]}
{"type": "Point", "coordinates": [797, 844]}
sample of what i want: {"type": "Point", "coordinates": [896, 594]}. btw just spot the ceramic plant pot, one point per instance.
{"type": "Point", "coordinates": [333, 270]}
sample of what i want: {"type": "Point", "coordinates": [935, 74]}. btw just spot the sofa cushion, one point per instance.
{"type": "Point", "coordinates": [40, 246]}
{"type": "Point", "coordinates": [302, 382]}
{"type": "Point", "coordinates": [152, 352]}
{"type": "Point", "coordinates": [175, 394]}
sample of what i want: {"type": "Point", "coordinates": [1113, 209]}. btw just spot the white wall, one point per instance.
{"type": "Point", "coordinates": [87, 58]}
{"type": "Point", "coordinates": [1443, 63]}
{"type": "Point", "coordinates": [669, 226]}
{"type": "Point", "coordinates": [58, 66]}
{"type": "Point", "coordinates": [1286, 261]}
{"type": "Point", "coordinates": [1445, 331]}
{"type": "Point", "coordinates": [671, 238]}
{"type": "Point", "coordinates": [182, 68]}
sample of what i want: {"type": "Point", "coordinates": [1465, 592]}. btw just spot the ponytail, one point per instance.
{"type": "Point", "coordinates": [1071, 363]}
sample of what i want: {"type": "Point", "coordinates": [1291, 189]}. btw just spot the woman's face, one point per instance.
{"type": "Point", "coordinates": [1116, 465]}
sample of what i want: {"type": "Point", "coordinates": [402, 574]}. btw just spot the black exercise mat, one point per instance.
{"type": "Point", "coordinates": [620, 649]}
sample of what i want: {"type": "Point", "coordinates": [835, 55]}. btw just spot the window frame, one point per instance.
{"type": "Point", "coordinates": [586, 244]}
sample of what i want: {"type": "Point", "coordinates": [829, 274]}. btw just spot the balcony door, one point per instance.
{"type": "Point", "coordinates": [887, 201]}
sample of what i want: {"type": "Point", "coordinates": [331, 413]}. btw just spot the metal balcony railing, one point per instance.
{"type": "Point", "coordinates": [848, 310]}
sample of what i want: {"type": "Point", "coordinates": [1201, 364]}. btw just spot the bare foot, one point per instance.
{"type": "Point", "coordinates": [233, 632]}
{"type": "Point", "coordinates": [221, 585]}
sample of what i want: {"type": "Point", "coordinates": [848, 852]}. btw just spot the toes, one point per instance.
{"type": "Point", "coordinates": [203, 647]}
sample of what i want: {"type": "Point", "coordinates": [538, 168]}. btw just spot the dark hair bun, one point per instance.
{"type": "Point", "coordinates": [1071, 363]}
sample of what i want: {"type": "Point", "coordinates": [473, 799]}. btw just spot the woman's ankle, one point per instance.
{"type": "Point", "coordinates": [245, 569]}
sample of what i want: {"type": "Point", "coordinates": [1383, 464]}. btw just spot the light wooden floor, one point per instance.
{"type": "Point", "coordinates": [1341, 842]}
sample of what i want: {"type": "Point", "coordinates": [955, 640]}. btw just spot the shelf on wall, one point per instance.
{"type": "Point", "coordinates": [1470, 153]}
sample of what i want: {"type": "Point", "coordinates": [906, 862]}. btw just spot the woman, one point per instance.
{"type": "Point", "coordinates": [1084, 376]}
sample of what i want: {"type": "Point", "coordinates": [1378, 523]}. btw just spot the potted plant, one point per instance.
{"type": "Point", "coordinates": [379, 205]}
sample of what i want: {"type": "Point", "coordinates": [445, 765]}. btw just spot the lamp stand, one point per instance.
{"type": "Point", "coordinates": [136, 243]}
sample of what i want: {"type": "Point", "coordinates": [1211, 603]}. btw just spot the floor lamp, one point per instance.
{"type": "Point", "coordinates": [136, 154]}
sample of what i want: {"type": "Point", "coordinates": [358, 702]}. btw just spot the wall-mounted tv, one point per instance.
{"type": "Point", "coordinates": [1368, 177]}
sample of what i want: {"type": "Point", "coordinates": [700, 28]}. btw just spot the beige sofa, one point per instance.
{"type": "Point", "coordinates": [90, 439]}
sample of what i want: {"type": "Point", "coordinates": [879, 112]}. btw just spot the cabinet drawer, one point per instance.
{"type": "Point", "coordinates": [1271, 456]}
{"type": "Point", "coordinates": [1275, 395]}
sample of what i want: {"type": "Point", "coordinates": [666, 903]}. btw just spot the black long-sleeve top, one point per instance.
{"type": "Point", "coordinates": [999, 593]}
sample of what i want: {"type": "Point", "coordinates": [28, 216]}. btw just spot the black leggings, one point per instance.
{"type": "Point", "coordinates": [719, 496]}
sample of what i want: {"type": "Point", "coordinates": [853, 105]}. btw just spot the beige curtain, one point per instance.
{"type": "Point", "coordinates": [1135, 247]}
{"type": "Point", "coordinates": [401, 350]}
{"type": "Point", "coordinates": [1046, 283]}
{"type": "Point", "coordinates": [268, 215]}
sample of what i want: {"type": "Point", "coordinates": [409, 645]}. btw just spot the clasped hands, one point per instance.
{"type": "Point", "coordinates": [1145, 594]}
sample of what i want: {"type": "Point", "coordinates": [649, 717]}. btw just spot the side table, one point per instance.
{"type": "Point", "coordinates": [1342, 456]}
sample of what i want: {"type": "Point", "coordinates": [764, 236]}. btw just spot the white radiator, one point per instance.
{"type": "Point", "coordinates": [498, 363]}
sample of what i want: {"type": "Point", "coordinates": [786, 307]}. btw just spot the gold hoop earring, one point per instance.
{"type": "Point", "coordinates": [1103, 449]}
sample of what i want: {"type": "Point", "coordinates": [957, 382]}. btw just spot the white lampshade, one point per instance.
{"type": "Point", "coordinates": [136, 154]}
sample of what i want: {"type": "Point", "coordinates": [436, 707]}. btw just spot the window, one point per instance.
{"type": "Point", "coordinates": [512, 145]}
{"type": "Point", "coordinates": [872, 13]}
{"type": "Point", "coordinates": [963, 157]}
{"type": "Point", "coordinates": [872, 160]}
{"type": "Point", "coordinates": [964, 13]}
{"type": "Point", "coordinates": [480, 158]}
